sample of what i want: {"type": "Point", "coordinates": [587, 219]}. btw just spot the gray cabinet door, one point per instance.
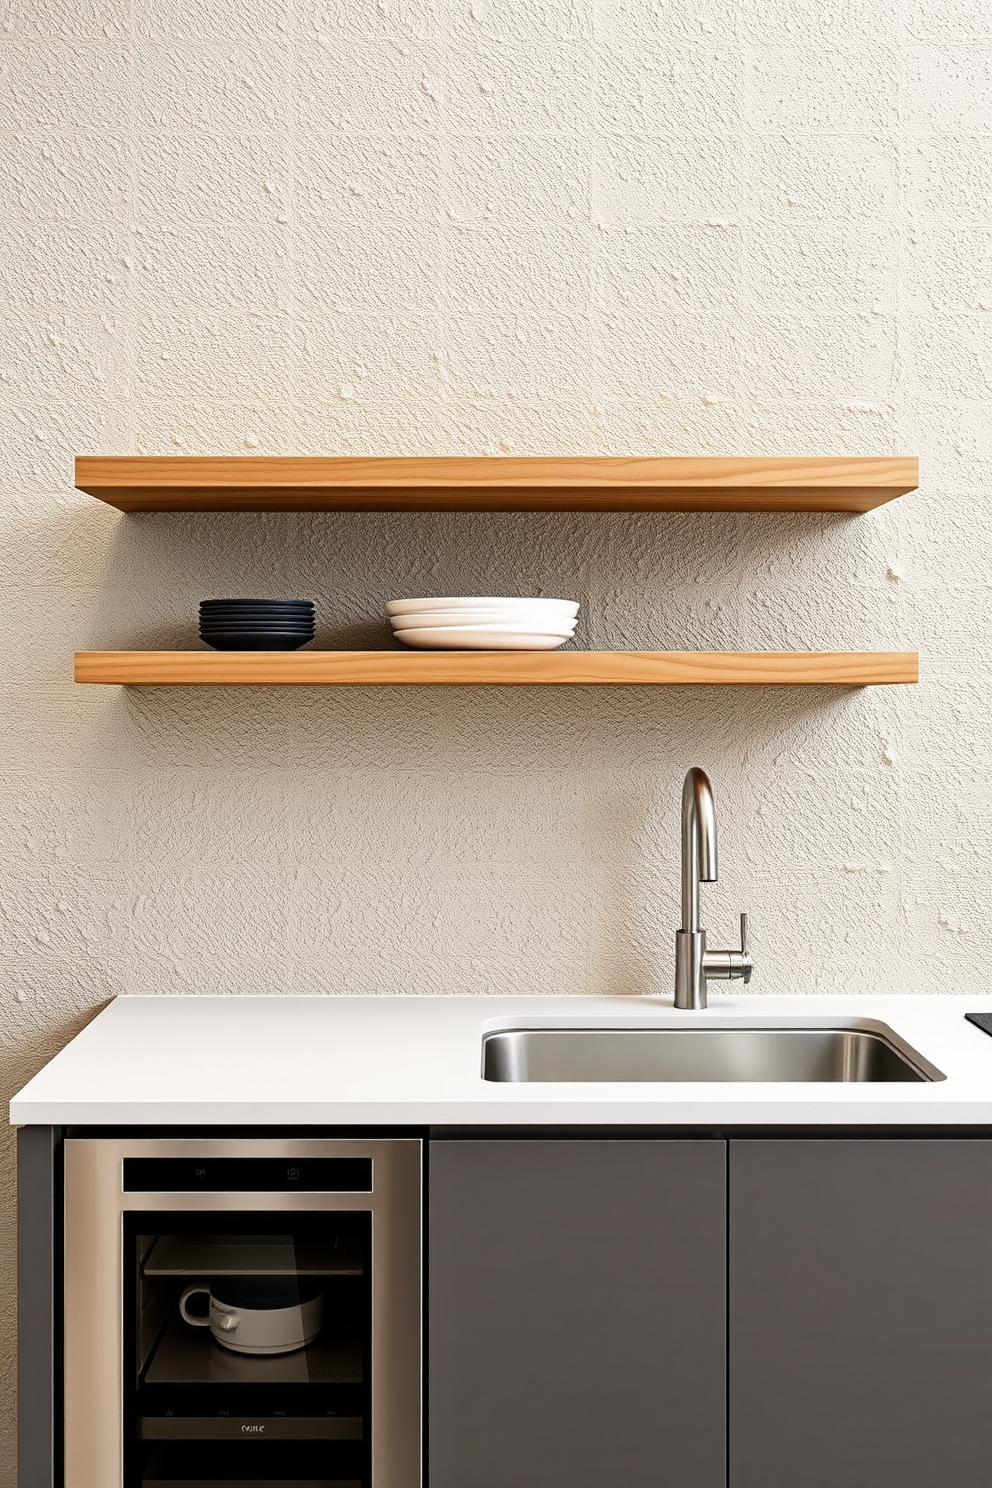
{"type": "Point", "coordinates": [577, 1314]}
{"type": "Point", "coordinates": [861, 1314]}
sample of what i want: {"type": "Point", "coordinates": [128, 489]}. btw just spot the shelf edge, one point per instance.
{"type": "Point", "coordinates": [180, 483]}
{"type": "Point", "coordinates": [497, 668]}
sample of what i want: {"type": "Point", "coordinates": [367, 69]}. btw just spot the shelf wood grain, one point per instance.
{"type": "Point", "coordinates": [502, 668]}
{"type": "Point", "coordinates": [177, 483]}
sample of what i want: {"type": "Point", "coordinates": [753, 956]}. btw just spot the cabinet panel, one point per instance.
{"type": "Point", "coordinates": [577, 1307]}
{"type": "Point", "coordinates": [861, 1314]}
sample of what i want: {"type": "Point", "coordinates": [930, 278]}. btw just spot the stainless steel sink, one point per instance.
{"type": "Point", "coordinates": [802, 1055]}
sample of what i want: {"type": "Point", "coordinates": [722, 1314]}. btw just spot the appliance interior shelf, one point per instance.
{"type": "Point", "coordinates": [507, 668]}
{"type": "Point", "coordinates": [188, 483]}
{"type": "Point", "coordinates": [224, 1255]}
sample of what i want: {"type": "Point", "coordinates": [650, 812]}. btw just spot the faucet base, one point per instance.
{"type": "Point", "coordinates": [690, 975]}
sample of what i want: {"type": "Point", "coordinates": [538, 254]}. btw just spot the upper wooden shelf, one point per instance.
{"type": "Point", "coordinates": [501, 483]}
{"type": "Point", "coordinates": [506, 668]}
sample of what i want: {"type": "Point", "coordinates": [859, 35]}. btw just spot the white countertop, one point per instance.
{"type": "Point", "coordinates": [416, 1061]}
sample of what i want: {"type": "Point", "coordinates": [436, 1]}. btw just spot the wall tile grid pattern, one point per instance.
{"type": "Point", "coordinates": [486, 226]}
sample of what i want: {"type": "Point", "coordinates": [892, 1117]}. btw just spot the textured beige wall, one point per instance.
{"type": "Point", "coordinates": [534, 226]}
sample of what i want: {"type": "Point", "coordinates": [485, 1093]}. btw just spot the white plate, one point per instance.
{"type": "Point", "coordinates": [533, 620]}
{"type": "Point", "coordinates": [479, 602]}
{"type": "Point", "coordinates": [479, 638]}
{"type": "Point", "coordinates": [561, 628]}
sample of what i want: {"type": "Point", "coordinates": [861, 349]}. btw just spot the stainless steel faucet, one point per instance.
{"type": "Point", "coordinates": [694, 964]}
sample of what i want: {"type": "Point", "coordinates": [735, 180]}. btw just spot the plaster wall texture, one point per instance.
{"type": "Point", "coordinates": [488, 226]}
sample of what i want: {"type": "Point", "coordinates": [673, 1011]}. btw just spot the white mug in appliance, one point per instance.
{"type": "Point", "coordinates": [258, 1314]}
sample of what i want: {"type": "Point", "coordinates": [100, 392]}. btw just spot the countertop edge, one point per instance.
{"type": "Point", "coordinates": [687, 1113]}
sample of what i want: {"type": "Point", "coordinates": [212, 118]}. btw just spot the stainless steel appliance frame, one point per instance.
{"type": "Point", "coordinates": [95, 1204]}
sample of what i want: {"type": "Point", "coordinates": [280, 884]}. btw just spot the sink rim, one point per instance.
{"type": "Point", "coordinates": [928, 1072]}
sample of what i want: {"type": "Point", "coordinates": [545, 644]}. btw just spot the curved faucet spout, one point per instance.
{"type": "Point", "coordinates": [699, 854]}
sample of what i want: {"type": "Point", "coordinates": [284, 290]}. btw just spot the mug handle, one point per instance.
{"type": "Point", "coordinates": [196, 1289]}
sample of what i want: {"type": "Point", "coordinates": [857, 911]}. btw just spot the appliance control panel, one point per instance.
{"type": "Point", "coordinates": [247, 1175]}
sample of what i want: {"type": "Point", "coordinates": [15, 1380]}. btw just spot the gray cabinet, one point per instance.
{"type": "Point", "coordinates": [861, 1314]}
{"type": "Point", "coordinates": [577, 1314]}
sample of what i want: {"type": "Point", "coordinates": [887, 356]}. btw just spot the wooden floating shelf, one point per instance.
{"type": "Point", "coordinates": [503, 668]}
{"type": "Point", "coordinates": [177, 483]}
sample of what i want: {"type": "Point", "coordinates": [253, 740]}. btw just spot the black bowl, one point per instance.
{"type": "Point", "coordinates": [259, 622]}
{"type": "Point", "coordinates": [252, 604]}
{"type": "Point", "coordinates": [295, 610]}
{"type": "Point", "coordinates": [251, 623]}
{"type": "Point", "coordinates": [303, 632]}
{"type": "Point", "coordinates": [278, 616]}
{"type": "Point", "coordinates": [255, 642]}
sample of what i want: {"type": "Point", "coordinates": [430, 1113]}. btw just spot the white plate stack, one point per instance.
{"type": "Point", "coordinates": [482, 624]}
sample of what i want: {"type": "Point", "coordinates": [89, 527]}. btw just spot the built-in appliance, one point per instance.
{"type": "Point", "coordinates": [242, 1312]}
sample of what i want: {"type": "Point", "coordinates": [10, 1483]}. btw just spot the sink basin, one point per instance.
{"type": "Point", "coordinates": [802, 1055]}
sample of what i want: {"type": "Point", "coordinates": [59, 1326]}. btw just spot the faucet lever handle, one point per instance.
{"type": "Point", "coordinates": [746, 962]}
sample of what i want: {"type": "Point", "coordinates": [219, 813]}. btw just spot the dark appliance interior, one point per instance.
{"type": "Point", "coordinates": [196, 1414]}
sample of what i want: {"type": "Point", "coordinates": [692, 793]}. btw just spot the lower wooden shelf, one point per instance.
{"type": "Point", "coordinates": [502, 668]}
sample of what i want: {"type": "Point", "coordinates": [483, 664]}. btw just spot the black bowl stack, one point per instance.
{"type": "Point", "coordinates": [256, 624]}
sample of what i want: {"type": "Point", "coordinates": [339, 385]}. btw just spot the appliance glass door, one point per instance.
{"type": "Point", "coordinates": [247, 1349]}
